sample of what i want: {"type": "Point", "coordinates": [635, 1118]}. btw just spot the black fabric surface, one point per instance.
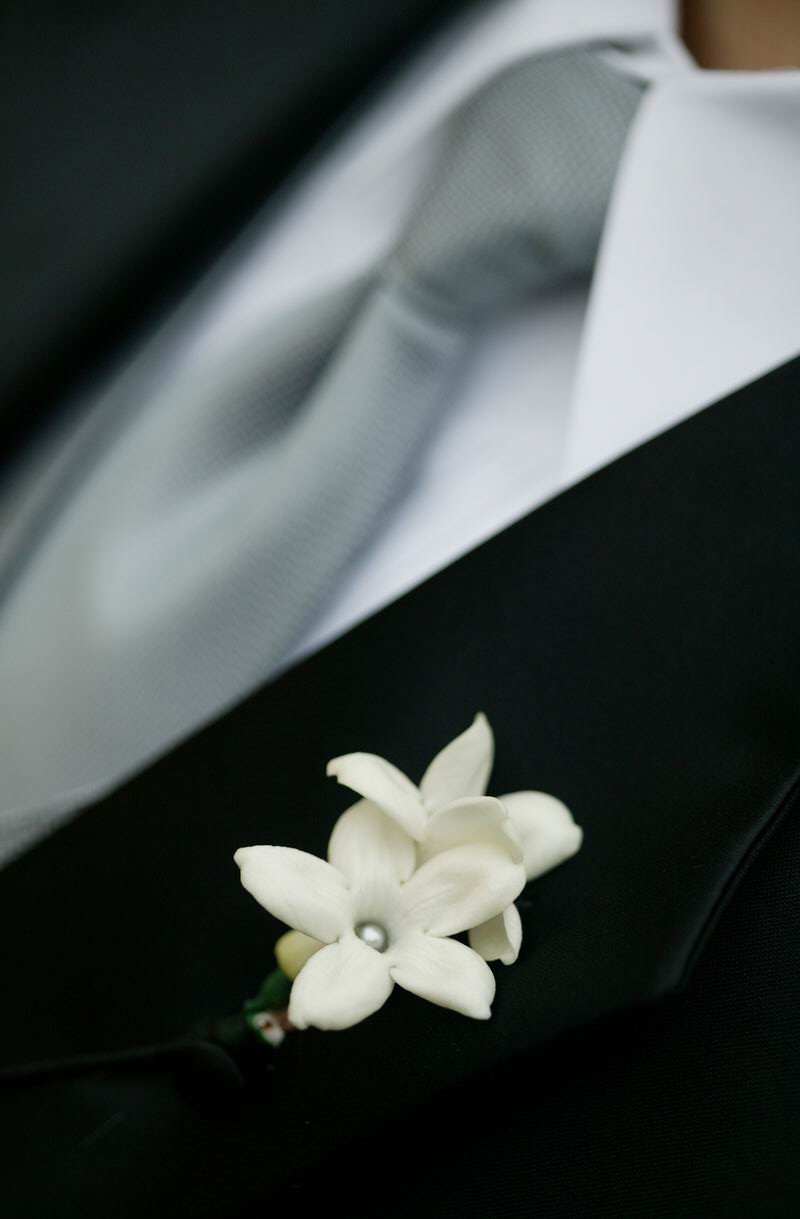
{"type": "Point", "coordinates": [635, 646]}
{"type": "Point", "coordinates": [135, 138]}
{"type": "Point", "coordinates": [689, 1108]}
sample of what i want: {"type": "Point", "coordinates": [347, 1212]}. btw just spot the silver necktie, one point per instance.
{"type": "Point", "coordinates": [212, 523]}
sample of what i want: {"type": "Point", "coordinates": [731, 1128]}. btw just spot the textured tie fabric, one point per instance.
{"type": "Point", "coordinates": [203, 531]}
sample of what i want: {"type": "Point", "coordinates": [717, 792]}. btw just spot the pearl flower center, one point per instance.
{"type": "Point", "coordinates": [373, 935]}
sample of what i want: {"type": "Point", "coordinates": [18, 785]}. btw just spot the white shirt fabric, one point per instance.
{"type": "Point", "coordinates": [694, 294]}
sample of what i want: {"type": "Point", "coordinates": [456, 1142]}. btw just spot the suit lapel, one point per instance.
{"type": "Point", "coordinates": [634, 644]}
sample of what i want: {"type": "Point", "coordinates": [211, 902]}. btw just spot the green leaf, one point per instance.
{"type": "Point", "coordinates": [273, 995]}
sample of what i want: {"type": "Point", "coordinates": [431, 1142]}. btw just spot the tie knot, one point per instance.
{"type": "Point", "coordinates": [518, 200]}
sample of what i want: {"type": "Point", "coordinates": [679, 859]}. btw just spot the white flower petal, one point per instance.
{"type": "Point", "coordinates": [480, 821]}
{"type": "Point", "coordinates": [341, 985]}
{"type": "Point", "coordinates": [460, 889]}
{"type": "Point", "coordinates": [299, 889]}
{"type": "Point", "coordinates": [546, 829]}
{"type": "Point", "coordinates": [370, 849]}
{"type": "Point", "coordinates": [385, 785]}
{"type": "Point", "coordinates": [499, 938]}
{"type": "Point", "coordinates": [444, 972]}
{"type": "Point", "coordinates": [462, 768]}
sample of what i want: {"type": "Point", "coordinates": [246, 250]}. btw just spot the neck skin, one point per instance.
{"type": "Point", "coordinates": [742, 35]}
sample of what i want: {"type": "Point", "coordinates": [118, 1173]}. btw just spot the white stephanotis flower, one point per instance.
{"type": "Point", "coordinates": [431, 816]}
{"type": "Point", "coordinates": [382, 918]}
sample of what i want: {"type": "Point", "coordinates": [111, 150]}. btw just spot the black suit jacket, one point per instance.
{"type": "Point", "coordinates": [635, 646]}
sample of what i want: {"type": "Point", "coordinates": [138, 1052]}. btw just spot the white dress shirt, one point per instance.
{"type": "Point", "coordinates": [694, 294]}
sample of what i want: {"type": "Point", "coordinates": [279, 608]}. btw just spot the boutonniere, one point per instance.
{"type": "Point", "coordinates": [409, 867]}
